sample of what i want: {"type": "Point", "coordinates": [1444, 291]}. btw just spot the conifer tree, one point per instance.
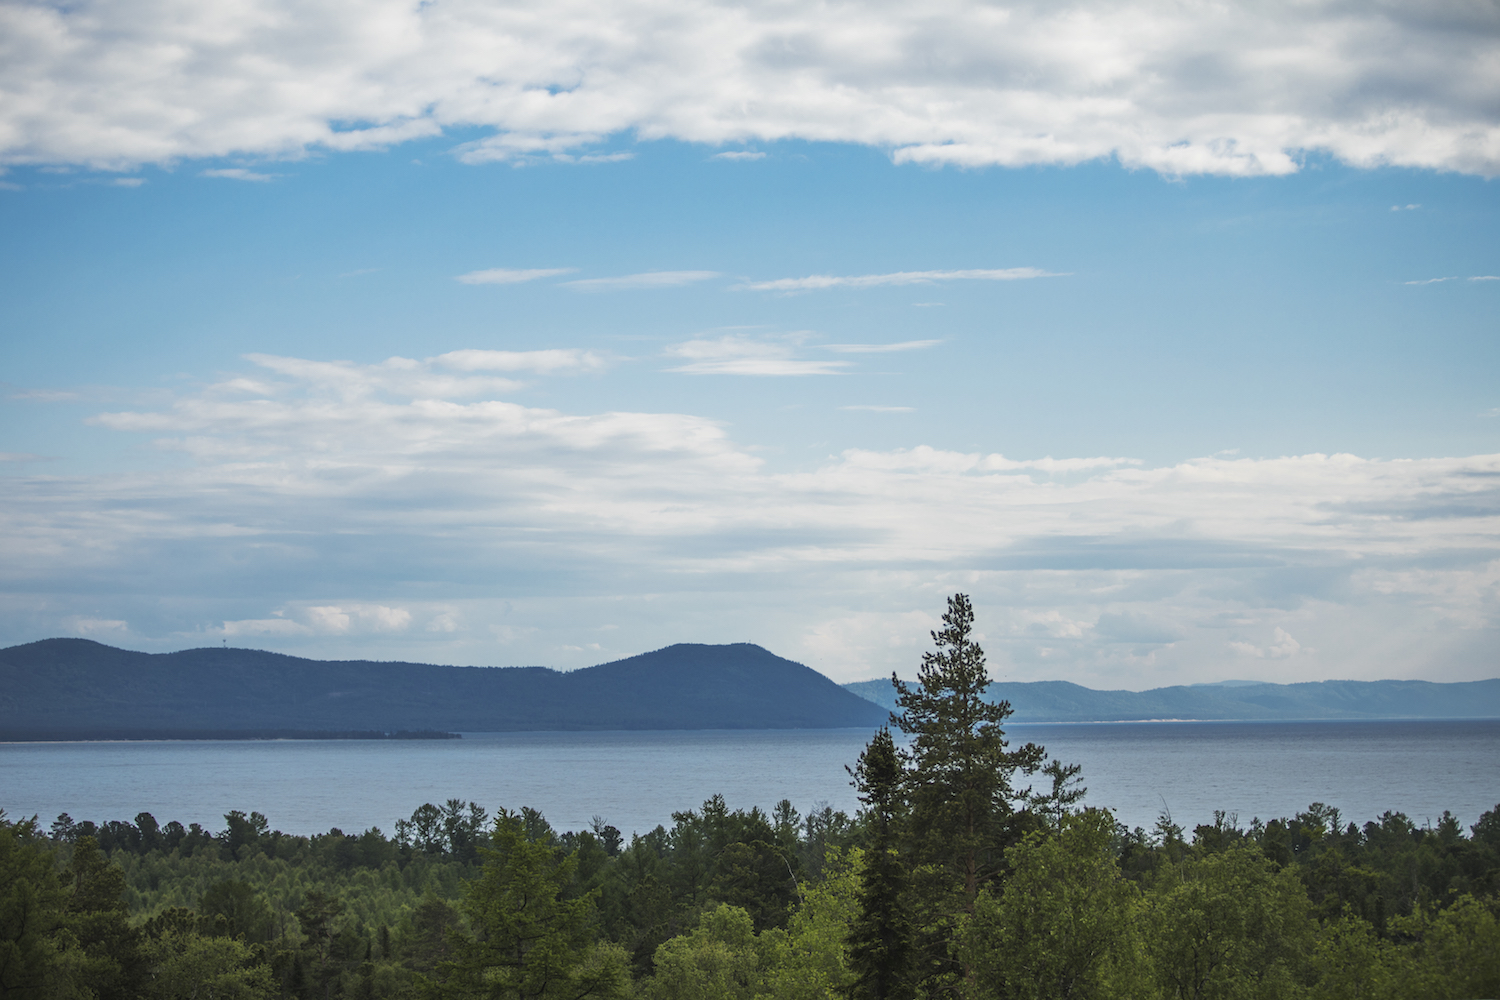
{"type": "Point", "coordinates": [959, 772]}
{"type": "Point", "coordinates": [879, 940]}
{"type": "Point", "coordinates": [530, 940]}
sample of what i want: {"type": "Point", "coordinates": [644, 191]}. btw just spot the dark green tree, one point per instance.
{"type": "Point", "coordinates": [959, 771]}
{"type": "Point", "coordinates": [111, 965]}
{"type": "Point", "coordinates": [879, 941]}
{"type": "Point", "coordinates": [31, 911]}
{"type": "Point", "coordinates": [958, 781]}
{"type": "Point", "coordinates": [529, 940]}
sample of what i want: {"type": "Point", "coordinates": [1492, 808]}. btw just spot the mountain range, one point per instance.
{"type": "Point", "coordinates": [79, 689]}
{"type": "Point", "coordinates": [1062, 701]}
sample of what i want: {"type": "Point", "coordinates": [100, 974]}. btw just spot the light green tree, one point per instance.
{"type": "Point", "coordinates": [718, 960]}
{"type": "Point", "coordinates": [1454, 954]}
{"type": "Point", "coordinates": [810, 960]}
{"type": "Point", "coordinates": [194, 967]}
{"type": "Point", "coordinates": [1063, 926]}
{"type": "Point", "coordinates": [1229, 926]}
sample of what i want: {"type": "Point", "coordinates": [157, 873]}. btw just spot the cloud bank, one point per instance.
{"type": "Point", "coordinates": [1182, 88]}
{"type": "Point", "coordinates": [313, 502]}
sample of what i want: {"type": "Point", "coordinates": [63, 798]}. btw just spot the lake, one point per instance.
{"type": "Point", "coordinates": [637, 779]}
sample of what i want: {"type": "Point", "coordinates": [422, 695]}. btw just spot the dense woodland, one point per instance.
{"type": "Point", "coordinates": [974, 870]}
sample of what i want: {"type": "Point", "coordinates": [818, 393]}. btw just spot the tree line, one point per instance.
{"type": "Point", "coordinates": [973, 870]}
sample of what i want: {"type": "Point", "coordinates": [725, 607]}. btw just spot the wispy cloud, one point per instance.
{"type": "Point", "coordinates": [547, 362]}
{"type": "Point", "coordinates": [239, 174]}
{"type": "Point", "coordinates": [818, 282]}
{"type": "Point", "coordinates": [738, 154]}
{"type": "Point", "coordinates": [634, 282]}
{"type": "Point", "coordinates": [905, 345]}
{"type": "Point", "coordinates": [511, 275]}
{"type": "Point", "coordinates": [881, 409]}
{"type": "Point", "coordinates": [1455, 277]}
{"type": "Point", "coordinates": [1405, 208]}
{"type": "Point", "coordinates": [128, 182]}
{"type": "Point", "coordinates": [734, 354]}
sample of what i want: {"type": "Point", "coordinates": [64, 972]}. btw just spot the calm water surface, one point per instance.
{"type": "Point", "coordinates": [637, 779]}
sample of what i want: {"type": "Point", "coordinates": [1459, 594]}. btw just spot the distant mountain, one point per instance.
{"type": "Point", "coordinates": [1061, 701]}
{"type": "Point", "coordinates": [75, 688]}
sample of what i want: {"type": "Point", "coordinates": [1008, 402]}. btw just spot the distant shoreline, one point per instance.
{"type": "Point", "coordinates": [201, 735]}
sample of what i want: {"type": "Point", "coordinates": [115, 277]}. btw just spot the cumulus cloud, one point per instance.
{"type": "Point", "coordinates": [633, 282]}
{"type": "Point", "coordinates": [511, 276]}
{"type": "Point", "coordinates": [738, 154]}
{"type": "Point", "coordinates": [353, 502]}
{"type": "Point", "coordinates": [818, 282]}
{"type": "Point", "coordinates": [1179, 88]}
{"type": "Point", "coordinates": [735, 354]}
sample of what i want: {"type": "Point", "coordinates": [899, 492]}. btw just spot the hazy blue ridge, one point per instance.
{"type": "Point", "coordinates": [82, 688]}
{"type": "Point", "coordinates": [1062, 701]}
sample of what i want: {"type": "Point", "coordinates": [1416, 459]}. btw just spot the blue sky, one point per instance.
{"type": "Point", "coordinates": [459, 351]}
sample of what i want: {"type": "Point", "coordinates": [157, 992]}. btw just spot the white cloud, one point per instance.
{"type": "Point", "coordinates": [738, 154]}
{"type": "Point", "coordinates": [905, 345]}
{"type": "Point", "coordinates": [818, 282]}
{"type": "Point", "coordinates": [1179, 88]}
{"type": "Point", "coordinates": [100, 626]}
{"type": "Point", "coordinates": [511, 276]}
{"type": "Point", "coordinates": [1437, 281]}
{"type": "Point", "coordinates": [733, 354]}
{"type": "Point", "coordinates": [632, 282]}
{"type": "Point", "coordinates": [1281, 647]}
{"type": "Point", "coordinates": [1405, 208]}
{"type": "Point", "coordinates": [239, 174]}
{"type": "Point", "coordinates": [546, 362]}
{"type": "Point", "coordinates": [437, 526]}
{"type": "Point", "coordinates": [128, 182]}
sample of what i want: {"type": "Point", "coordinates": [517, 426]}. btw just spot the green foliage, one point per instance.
{"type": "Point", "coordinates": [717, 960]}
{"type": "Point", "coordinates": [880, 933]}
{"type": "Point", "coordinates": [529, 941]}
{"type": "Point", "coordinates": [809, 959]}
{"type": "Point", "coordinates": [959, 771]}
{"type": "Point", "coordinates": [195, 967]}
{"type": "Point", "coordinates": [1228, 926]}
{"type": "Point", "coordinates": [31, 913]}
{"type": "Point", "coordinates": [1066, 923]}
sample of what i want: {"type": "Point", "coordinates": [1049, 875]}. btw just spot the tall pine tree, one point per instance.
{"type": "Point", "coordinates": [959, 774]}
{"type": "Point", "coordinates": [958, 787]}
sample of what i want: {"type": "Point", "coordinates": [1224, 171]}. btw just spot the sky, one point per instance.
{"type": "Point", "coordinates": [500, 334]}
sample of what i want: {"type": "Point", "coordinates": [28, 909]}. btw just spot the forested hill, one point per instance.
{"type": "Point", "coordinates": [1061, 701]}
{"type": "Point", "coordinates": [75, 688]}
